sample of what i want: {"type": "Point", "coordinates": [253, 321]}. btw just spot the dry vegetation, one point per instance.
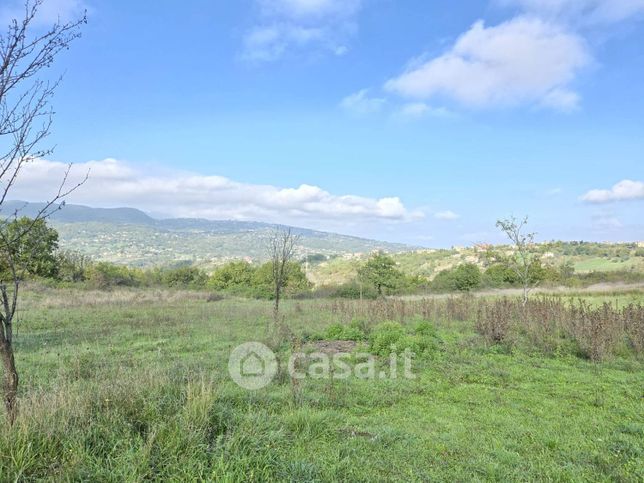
{"type": "Point", "coordinates": [549, 323]}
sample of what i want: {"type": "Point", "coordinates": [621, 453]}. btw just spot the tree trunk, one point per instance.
{"type": "Point", "coordinates": [10, 382]}
{"type": "Point", "coordinates": [276, 310]}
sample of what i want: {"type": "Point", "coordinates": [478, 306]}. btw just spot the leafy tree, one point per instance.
{"type": "Point", "coordinates": [467, 276]}
{"type": "Point", "coordinates": [236, 276]}
{"type": "Point", "coordinates": [443, 281]}
{"type": "Point", "coordinates": [566, 270]}
{"type": "Point", "coordinates": [72, 266]}
{"type": "Point", "coordinates": [184, 277]}
{"type": "Point", "coordinates": [381, 272]}
{"type": "Point", "coordinates": [33, 252]}
{"type": "Point", "coordinates": [294, 280]}
{"type": "Point", "coordinates": [105, 275]}
{"type": "Point", "coordinates": [524, 252]}
{"type": "Point", "coordinates": [499, 275]}
{"type": "Point", "coordinates": [463, 278]}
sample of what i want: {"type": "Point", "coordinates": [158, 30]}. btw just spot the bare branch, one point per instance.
{"type": "Point", "coordinates": [25, 121]}
{"type": "Point", "coordinates": [281, 250]}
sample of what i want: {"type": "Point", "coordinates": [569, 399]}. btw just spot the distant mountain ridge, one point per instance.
{"type": "Point", "coordinates": [130, 236]}
{"type": "Point", "coordinates": [78, 213]}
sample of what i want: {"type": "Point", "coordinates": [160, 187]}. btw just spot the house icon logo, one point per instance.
{"type": "Point", "coordinates": [252, 365]}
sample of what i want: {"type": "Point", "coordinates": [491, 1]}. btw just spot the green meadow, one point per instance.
{"type": "Point", "coordinates": [133, 385]}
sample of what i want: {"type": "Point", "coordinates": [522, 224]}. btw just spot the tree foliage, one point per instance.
{"type": "Point", "coordinates": [33, 251]}
{"type": "Point", "coordinates": [462, 278]}
{"type": "Point", "coordinates": [380, 271]}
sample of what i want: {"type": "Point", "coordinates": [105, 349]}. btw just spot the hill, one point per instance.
{"type": "Point", "coordinates": [130, 236]}
{"type": "Point", "coordinates": [585, 257]}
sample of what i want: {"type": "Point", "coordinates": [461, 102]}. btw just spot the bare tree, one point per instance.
{"type": "Point", "coordinates": [25, 121]}
{"type": "Point", "coordinates": [521, 261]}
{"type": "Point", "coordinates": [281, 248]}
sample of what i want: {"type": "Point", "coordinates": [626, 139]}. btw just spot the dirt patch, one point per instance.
{"type": "Point", "coordinates": [333, 346]}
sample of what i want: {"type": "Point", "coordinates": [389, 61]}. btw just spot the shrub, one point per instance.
{"type": "Point", "coordinates": [463, 278]}
{"type": "Point", "coordinates": [105, 275]}
{"type": "Point", "coordinates": [425, 328]}
{"type": "Point", "coordinates": [499, 275]}
{"type": "Point", "coordinates": [467, 277]}
{"type": "Point", "coordinates": [389, 337]}
{"type": "Point", "coordinates": [353, 290]}
{"type": "Point", "coordinates": [72, 266]}
{"type": "Point", "coordinates": [184, 277]}
{"type": "Point", "coordinates": [386, 338]}
{"type": "Point", "coordinates": [232, 276]}
{"type": "Point", "coordinates": [339, 331]}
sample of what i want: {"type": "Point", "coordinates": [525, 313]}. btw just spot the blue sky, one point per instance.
{"type": "Point", "coordinates": [402, 120]}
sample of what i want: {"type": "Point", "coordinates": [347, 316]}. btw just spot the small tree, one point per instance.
{"type": "Point", "coordinates": [281, 249]}
{"type": "Point", "coordinates": [467, 276]}
{"type": "Point", "coordinates": [34, 252]}
{"type": "Point", "coordinates": [72, 266]}
{"type": "Point", "coordinates": [25, 119]}
{"type": "Point", "coordinates": [523, 258]}
{"type": "Point", "coordinates": [235, 276]}
{"type": "Point", "coordinates": [381, 272]}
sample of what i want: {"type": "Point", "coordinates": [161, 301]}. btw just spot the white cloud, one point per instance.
{"type": "Point", "coordinates": [561, 99]}
{"type": "Point", "coordinates": [583, 12]}
{"type": "Point", "coordinates": [418, 110]}
{"type": "Point", "coordinates": [300, 25]}
{"type": "Point", "coordinates": [624, 190]}
{"type": "Point", "coordinates": [446, 215]}
{"type": "Point", "coordinates": [310, 9]}
{"type": "Point", "coordinates": [360, 103]}
{"type": "Point", "coordinates": [184, 194]}
{"type": "Point", "coordinates": [523, 60]}
{"type": "Point", "coordinates": [270, 43]}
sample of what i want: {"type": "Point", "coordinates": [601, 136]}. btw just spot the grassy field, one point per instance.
{"type": "Point", "coordinates": [133, 385]}
{"type": "Point", "coordinates": [606, 265]}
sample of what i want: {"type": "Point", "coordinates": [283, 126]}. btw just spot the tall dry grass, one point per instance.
{"type": "Point", "coordinates": [547, 323]}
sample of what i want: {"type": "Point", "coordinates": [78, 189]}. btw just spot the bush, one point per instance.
{"type": "Point", "coordinates": [242, 278]}
{"type": "Point", "coordinates": [385, 338]}
{"type": "Point", "coordinates": [467, 277]}
{"type": "Point", "coordinates": [354, 331]}
{"type": "Point", "coordinates": [499, 275]}
{"type": "Point", "coordinates": [425, 328]}
{"type": "Point", "coordinates": [72, 266]}
{"type": "Point", "coordinates": [389, 337]}
{"type": "Point", "coordinates": [184, 277]}
{"type": "Point", "coordinates": [106, 275]}
{"type": "Point", "coordinates": [463, 278]}
{"type": "Point", "coordinates": [353, 290]}
{"type": "Point", "coordinates": [234, 276]}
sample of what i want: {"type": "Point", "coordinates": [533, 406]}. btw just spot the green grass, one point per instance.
{"type": "Point", "coordinates": [133, 385]}
{"type": "Point", "coordinates": [602, 264]}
